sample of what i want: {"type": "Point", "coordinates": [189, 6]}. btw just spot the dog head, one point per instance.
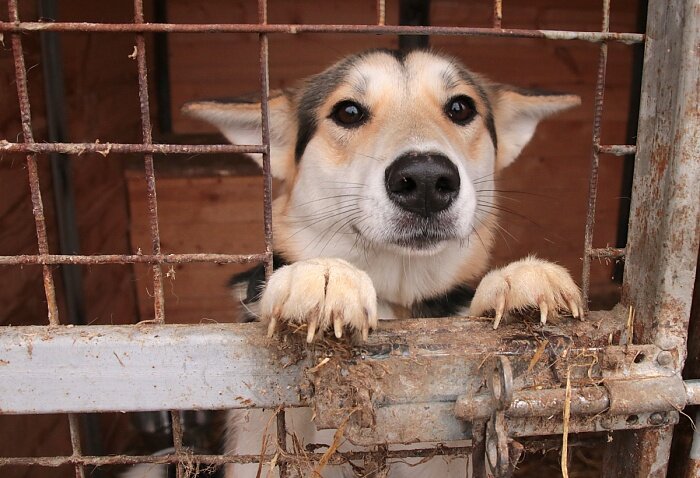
{"type": "Point", "coordinates": [386, 150]}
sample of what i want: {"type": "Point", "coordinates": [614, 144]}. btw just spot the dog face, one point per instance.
{"type": "Point", "coordinates": [384, 154]}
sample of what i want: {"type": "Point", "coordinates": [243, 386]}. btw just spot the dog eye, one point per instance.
{"type": "Point", "coordinates": [460, 109]}
{"type": "Point", "coordinates": [349, 114]}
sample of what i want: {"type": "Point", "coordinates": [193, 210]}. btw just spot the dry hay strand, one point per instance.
{"type": "Point", "coordinates": [565, 432]}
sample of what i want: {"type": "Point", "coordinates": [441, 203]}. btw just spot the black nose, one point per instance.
{"type": "Point", "coordinates": [422, 183]}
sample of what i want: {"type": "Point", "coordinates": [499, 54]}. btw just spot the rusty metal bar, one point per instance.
{"type": "Point", "coordinates": [692, 469]}
{"type": "Point", "coordinates": [664, 232]}
{"type": "Point", "coordinates": [381, 12]}
{"type": "Point", "coordinates": [497, 14]}
{"type": "Point", "coordinates": [282, 441]}
{"type": "Point", "coordinates": [265, 127]}
{"type": "Point", "coordinates": [595, 157]}
{"type": "Point", "coordinates": [607, 253]}
{"type": "Point", "coordinates": [661, 394]}
{"type": "Point", "coordinates": [32, 169]}
{"type": "Point", "coordinates": [338, 458]}
{"type": "Point", "coordinates": [177, 441]}
{"type": "Point", "coordinates": [54, 259]}
{"type": "Point", "coordinates": [617, 149]}
{"type": "Point", "coordinates": [74, 426]}
{"type": "Point", "coordinates": [147, 137]}
{"type": "Point", "coordinates": [126, 148]}
{"type": "Point", "coordinates": [594, 37]}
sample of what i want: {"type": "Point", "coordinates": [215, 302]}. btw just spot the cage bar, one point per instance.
{"type": "Point", "coordinates": [381, 12]}
{"type": "Point", "coordinates": [55, 259]}
{"type": "Point", "coordinates": [147, 136]}
{"type": "Point", "coordinates": [265, 127]}
{"type": "Point", "coordinates": [32, 169]}
{"type": "Point", "coordinates": [497, 13]}
{"type": "Point", "coordinates": [106, 149]}
{"type": "Point", "coordinates": [74, 427]}
{"type": "Point", "coordinates": [594, 37]}
{"type": "Point", "coordinates": [595, 158]}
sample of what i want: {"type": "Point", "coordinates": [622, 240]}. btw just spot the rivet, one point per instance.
{"type": "Point", "coordinates": [607, 423]}
{"type": "Point", "coordinates": [657, 418]}
{"type": "Point", "coordinates": [664, 358]}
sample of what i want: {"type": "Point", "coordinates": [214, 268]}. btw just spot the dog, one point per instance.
{"type": "Point", "coordinates": [386, 161]}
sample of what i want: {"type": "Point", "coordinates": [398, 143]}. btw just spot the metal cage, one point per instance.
{"type": "Point", "coordinates": [619, 372]}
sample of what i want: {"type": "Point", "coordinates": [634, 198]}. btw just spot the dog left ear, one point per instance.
{"type": "Point", "coordinates": [239, 120]}
{"type": "Point", "coordinates": [516, 114]}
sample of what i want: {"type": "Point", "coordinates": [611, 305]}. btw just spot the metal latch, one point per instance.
{"type": "Point", "coordinates": [623, 393]}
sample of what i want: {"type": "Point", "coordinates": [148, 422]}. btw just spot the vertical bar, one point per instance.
{"type": "Point", "coordinates": [414, 13]}
{"type": "Point", "coordinates": [478, 456]}
{"type": "Point", "coordinates": [497, 13]}
{"type": "Point", "coordinates": [265, 122]}
{"type": "Point", "coordinates": [664, 232]}
{"type": "Point", "coordinates": [177, 442]}
{"type": "Point", "coordinates": [147, 138]}
{"type": "Point", "coordinates": [74, 426]}
{"type": "Point", "coordinates": [595, 157]}
{"type": "Point", "coordinates": [692, 469]}
{"type": "Point", "coordinates": [32, 169]}
{"type": "Point", "coordinates": [381, 12]}
{"type": "Point", "coordinates": [282, 441]}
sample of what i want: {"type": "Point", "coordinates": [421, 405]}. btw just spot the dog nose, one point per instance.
{"type": "Point", "coordinates": [424, 184]}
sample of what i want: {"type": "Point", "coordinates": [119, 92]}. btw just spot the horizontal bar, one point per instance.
{"type": "Point", "coordinates": [595, 37]}
{"type": "Point", "coordinates": [55, 259]}
{"type": "Point", "coordinates": [88, 368]}
{"type": "Point", "coordinates": [591, 400]}
{"type": "Point", "coordinates": [126, 148]}
{"type": "Point", "coordinates": [540, 403]}
{"type": "Point", "coordinates": [219, 366]}
{"type": "Point", "coordinates": [692, 388]}
{"type": "Point", "coordinates": [617, 149]}
{"type": "Point", "coordinates": [338, 458]}
{"type": "Point", "coordinates": [607, 252]}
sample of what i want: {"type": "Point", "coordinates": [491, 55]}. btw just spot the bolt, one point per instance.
{"type": "Point", "coordinates": [607, 423]}
{"type": "Point", "coordinates": [665, 358]}
{"type": "Point", "coordinates": [657, 418]}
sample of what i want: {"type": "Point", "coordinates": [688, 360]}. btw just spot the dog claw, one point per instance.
{"type": "Point", "coordinates": [500, 308]}
{"type": "Point", "coordinates": [544, 310]}
{"type": "Point", "coordinates": [312, 331]}
{"type": "Point", "coordinates": [575, 312]}
{"type": "Point", "coordinates": [271, 326]}
{"type": "Point", "coordinates": [338, 327]}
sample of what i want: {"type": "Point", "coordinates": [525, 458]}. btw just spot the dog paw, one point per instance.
{"type": "Point", "coordinates": [526, 284]}
{"type": "Point", "coordinates": [321, 294]}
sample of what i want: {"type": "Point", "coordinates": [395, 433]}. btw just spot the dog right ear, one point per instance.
{"type": "Point", "coordinates": [240, 122]}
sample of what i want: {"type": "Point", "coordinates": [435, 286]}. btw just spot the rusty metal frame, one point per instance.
{"type": "Point", "coordinates": [659, 266]}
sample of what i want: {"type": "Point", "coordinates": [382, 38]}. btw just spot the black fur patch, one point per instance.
{"type": "Point", "coordinates": [445, 305]}
{"type": "Point", "coordinates": [255, 280]}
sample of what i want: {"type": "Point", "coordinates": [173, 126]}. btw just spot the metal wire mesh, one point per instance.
{"type": "Point", "coordinates": [16, 28]}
